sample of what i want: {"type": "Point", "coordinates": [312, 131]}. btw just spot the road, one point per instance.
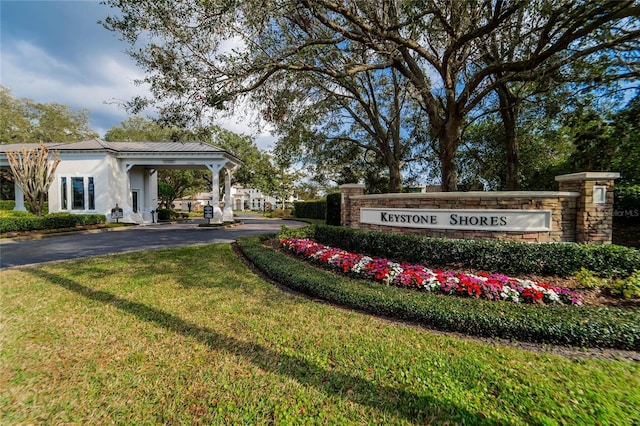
{"type": "Point", "coordinates": [122, 240]}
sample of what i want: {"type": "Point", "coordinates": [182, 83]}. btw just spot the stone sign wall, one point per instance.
{"type": "Point", "coordinates": [579, 212]}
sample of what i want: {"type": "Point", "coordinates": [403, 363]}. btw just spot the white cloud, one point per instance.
{"type": "Point", "coordinates": [99, 83]}
{"type": "Point", "coordinates": [95, 84]}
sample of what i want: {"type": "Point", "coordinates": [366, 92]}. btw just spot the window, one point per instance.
{"type": "Point", "coordinates": [82, 193]}
{"type": "Point", "coordinates": [134, 200]}
{"type": "Point", "coordinates": [63, 190]}
{"type": "Point", "coordinates": [77, 186]}
{"type": "Point", "coordinates": [92, 195]}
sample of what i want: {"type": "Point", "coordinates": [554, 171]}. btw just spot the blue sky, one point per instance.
{"type": "Point", "coordinates": [55, 51]}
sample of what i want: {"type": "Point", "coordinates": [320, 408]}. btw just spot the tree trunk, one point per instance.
{"type": "Point", "coordinates": [509, 111]}
{"type": "Point", "coordinates": [448, 171]}
{"type": "Point", "coordinates": [395, 178]}
{"type": "Point", "coordinates": [449, 140]}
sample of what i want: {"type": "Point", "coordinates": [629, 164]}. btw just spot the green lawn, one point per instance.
{"type": "Point", "coordinates": [190, 335]}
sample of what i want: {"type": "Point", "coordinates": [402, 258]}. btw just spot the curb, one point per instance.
{"type": "Point", "coordinates": [40, 236]}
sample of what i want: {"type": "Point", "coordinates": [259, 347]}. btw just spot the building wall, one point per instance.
{"type": "Point", "coordinates": [82, 166]}
{"type": "Point", "coordinates": [112, 185]}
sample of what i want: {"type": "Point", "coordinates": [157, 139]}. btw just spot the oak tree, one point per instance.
{"type": "Point", "coordinates": [201, 55]}
{"type": "Point", "coordinates": [23, 120]}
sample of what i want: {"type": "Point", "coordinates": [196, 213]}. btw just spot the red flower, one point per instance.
{"type": "Point", "coordinates": [533, 294]}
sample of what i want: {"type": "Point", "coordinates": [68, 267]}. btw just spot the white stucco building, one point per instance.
{"type": "Point", "coordinates": [94, 176]}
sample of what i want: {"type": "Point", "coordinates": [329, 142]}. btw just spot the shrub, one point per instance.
{"type": "Point", "coordinates": [627, 288]}
{"type": "Point", "coordinates": [166, 214]}
{"type": "Point", "coordinates": [334, 201]}
{"type": "Point", "coordinates": [565, 325]}
{"type": "Point", "coordinates": [28, 222]}
{"type": "Point", "coordinates": [11, 204]}
{"type": "Point", "coordinates": [561, 259]}
{"type": "Point", "coordinates": [7, 204]}
{"type": "Point", "coordinates": [279, 213]}
{"type": "Point", "coordinates": [310, 209]}
{"type": "Point", "coordinates": [587, 279]}
{"type": "Point", "coordinates": [305, 232]}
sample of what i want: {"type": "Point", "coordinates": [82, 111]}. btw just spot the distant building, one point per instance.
{"type": "Point", "coordinates": [253, 199]}
{"type": "Point", "coordinates": [242, 199]}
{"type": "Point", "coordinates": [423, 189]}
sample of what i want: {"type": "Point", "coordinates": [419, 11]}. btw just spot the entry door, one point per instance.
{"type": "Point", "coordinates": [134, 202]}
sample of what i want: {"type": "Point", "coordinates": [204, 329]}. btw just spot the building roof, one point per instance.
{"type": "Point", "coordinates": [123, 147]}
{"type": "Point", "coordinates": [18, 146]}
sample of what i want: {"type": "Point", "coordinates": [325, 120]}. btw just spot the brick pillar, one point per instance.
{"type": "Point", "coordinates": [594, 218]}
{"type": "Point", "coordinates": [348, 190]}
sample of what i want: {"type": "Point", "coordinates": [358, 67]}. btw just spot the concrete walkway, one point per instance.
{"type": "Point", "coordinates": [55, 247]}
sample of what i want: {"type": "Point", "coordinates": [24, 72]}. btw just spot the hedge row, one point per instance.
{"type": "Point", "coordinates": [50, 221]}
{"type": "Point", "coordinates": [559, 259]}
{"type": "Point", "coordinates": [10, 205]}
{"type": "Point", "coordinates": [310, 209]}
{"type": "Point", "coordinates": [7, 204]}
{"type": "Point", "coordinates": [564, 325]}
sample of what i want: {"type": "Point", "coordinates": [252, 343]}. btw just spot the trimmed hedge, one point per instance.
{"type": "Point", "coordinates": [564, 325]}
{"type": "Point", "coordinates": [310, 209]}
{"type": "Point", "coordinates": [11, 204]}
{"type": "Point", "coordinates": [334, 202]}
{"type": "Point", "coordinates": [560, 259]}
{"type": "Point", "coordinates": [50, 221]}
{"type": "Point", "coordinates": [7, 204]}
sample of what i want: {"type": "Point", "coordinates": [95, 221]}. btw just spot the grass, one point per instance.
{"type": "Point", "coordinates": [191, 336]}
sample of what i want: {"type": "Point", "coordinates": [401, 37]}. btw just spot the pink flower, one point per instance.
{"type": "Point", "coordinates": [480, 285]}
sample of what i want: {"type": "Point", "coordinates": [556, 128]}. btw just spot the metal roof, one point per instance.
{"type": "Point", "coordinates": [19, 146]}
{"type": "Point", "coordinates": [123, 147]}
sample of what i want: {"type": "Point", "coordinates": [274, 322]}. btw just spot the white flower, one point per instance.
{"type": "Point", "coordinates": [394, 270]}
{"type": "Point", "coordinates": [357, 268]}
{"type": "Point", "coordinates": [509, 293]}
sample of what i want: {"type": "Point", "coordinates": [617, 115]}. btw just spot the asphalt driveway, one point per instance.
{"type": "Point", "coordinates": [122, 240]}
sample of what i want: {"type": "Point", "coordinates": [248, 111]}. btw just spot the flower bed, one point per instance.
{"type": "Point", "coordinates": [481, 285]}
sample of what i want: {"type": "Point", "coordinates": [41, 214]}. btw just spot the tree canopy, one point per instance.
{"type": "Point", "coordinates": [23, 120]}
{"type": "Point", "coordinates": [199, 56]}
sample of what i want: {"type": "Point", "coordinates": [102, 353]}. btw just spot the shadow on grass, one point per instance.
{"type": "Point", "coordinates": [396, 402]}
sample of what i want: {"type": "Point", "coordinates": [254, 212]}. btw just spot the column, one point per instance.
{"type": "Point", "coordinates": [346, 214]}
{"type": "Point", "coordinates": [148, 198]}
{"type": "Point", "coordinates": [594, 209]}
{"type": "Point", "coordinates": [19, 197]}
{"type": "Point", "coordinates": [125, 193]}
{"type": "Point", "coordinates": [215, 192]}
{"type": "Point", "coordinates": [227, 214]}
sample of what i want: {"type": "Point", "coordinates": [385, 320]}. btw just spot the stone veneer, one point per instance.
{"type": "Point", "coordinates": [575, 217]}
{"type": "Point", "coordinates": [594, 220]}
